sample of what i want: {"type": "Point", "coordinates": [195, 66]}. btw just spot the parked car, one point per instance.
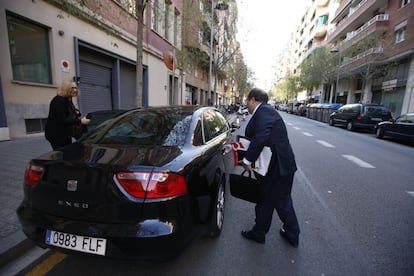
{"type": "Point", "coordinates": [283, 107]}
{"type": "Point", "coordinates": [243, 110]}
{"type": "Point", "coordinates": [140, 186]}
{"type": "Point", "coordinates": [361, 116]}
{"type": "Point", "coordinates": [302, 110]}
{"type": "Point", "coordinates": [400, 128]}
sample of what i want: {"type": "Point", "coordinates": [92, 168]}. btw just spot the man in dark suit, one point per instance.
{"type": "Point", "coordinates": [266, 128]}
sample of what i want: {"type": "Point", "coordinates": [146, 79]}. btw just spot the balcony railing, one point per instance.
{"type": "Point", "coordinates": [371, 51]}
{"type": "Point", "coordinates": [354, 9]}
{"type": "Point", "coordinates": [342, 25]}
{"type": "Point", "coordinates": [375, 19]}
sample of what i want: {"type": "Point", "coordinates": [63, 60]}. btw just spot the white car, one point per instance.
{"type": "Point", "coordinates": [243, 110]}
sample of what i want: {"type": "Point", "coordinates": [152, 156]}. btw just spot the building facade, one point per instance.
{"type": "Point", "coordinates": [209, 51]}
{"type": "Point", "coordinates": [92, 42]}
{"type": "Point", "coordinates": [373, 44]}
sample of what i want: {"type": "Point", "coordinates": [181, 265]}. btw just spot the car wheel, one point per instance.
{"type": "Point", "coordinates": [379, 133]}
{"type": "Point", "coordinates": [217, 218]}
{"type": "Point", "coordinates": [331, 122]}
{"type": "Point", "coordinates": [350, 125]}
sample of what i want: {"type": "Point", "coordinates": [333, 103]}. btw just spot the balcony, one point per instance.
{"type": "Point", "coordinates": [378, 23]}
{"type": "Point", "coordinates": [320, 31]}
{"type": "Point", "coordinates": [370, 56]}
{"type": "Point", "coordinates": [323, 3]}
{"type": "Point", "coordinates": [355, 17]}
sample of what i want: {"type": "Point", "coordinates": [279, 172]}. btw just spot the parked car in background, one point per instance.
{"type": "Point", "coordinates": [140, 186]}
{"type": "Point", "coordinates": [361, 116]}
{"type": "Point", "coordinates": [243, 110]}
{"type": "Point", "coordinates": [302, 109]}
{"type": "Point", "coordinates": [282, 107]}
{"type": "Point", "coordinates": [400, 128]}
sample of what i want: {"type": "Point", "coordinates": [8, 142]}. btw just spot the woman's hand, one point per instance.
{"type": "Point", "coordinates": [85, 121]}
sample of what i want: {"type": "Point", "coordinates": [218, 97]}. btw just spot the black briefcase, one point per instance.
{"type": "Point", "coordinates": [245, 187]}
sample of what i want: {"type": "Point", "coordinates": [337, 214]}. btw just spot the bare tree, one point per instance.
{"type": "Point", "coordinates": [139, 10]}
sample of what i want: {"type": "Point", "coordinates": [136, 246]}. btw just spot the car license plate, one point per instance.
{"type": "Point", "coordinates": [376, 119]}
{"type": "Point", "coordinates": [78, 243]}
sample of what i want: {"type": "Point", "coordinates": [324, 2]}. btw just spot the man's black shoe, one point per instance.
{"type": "Point", "coordinates": [251, 235]}
{"type": "Point", "coordinates": [284, 235]}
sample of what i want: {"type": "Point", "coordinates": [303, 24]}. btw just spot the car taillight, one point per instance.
{"type": "Point", "coordinates": [152, 185]}
{"type": "Point", "coordinates": [33, 174]}
{"type": "Point", "coordinates": [359, 118]}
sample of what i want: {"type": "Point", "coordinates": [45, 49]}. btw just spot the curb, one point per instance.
{"type": "Point", "coordinates": [13, 246]}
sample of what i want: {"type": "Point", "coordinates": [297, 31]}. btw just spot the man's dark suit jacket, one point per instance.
{"type": "Point", "coordinates": [266, 128]}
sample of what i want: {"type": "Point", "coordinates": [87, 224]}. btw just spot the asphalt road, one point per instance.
{"type": "Point", "coordinates": [354, 199]}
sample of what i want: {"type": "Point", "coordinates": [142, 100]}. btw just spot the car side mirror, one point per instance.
{"type": "Point", "coordinates": [235, 124]}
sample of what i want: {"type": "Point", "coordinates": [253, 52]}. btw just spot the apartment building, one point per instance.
{"type": "Point", "coordinates": [209, 51]}
{"type": "Point", "coordinates": [373, 43]}
{"type": "Point", "coordinates": [92, 42]}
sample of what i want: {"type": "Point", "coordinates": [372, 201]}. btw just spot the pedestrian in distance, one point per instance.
{"type": "Point", "coordinates": [64, 120]}
{"type": "Point", "coordinates": [266, 128]}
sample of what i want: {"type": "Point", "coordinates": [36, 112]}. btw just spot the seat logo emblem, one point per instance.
{"type": "Point", "coordinates": [72, 185]}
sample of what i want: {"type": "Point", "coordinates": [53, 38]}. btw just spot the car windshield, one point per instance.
{"type": "Point", "coordinates": [149, 127]}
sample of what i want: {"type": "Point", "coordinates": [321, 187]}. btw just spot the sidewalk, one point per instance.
{"type": "Point", "coordinates": [14, 157]}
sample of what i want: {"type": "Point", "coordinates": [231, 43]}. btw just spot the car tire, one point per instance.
{"type": "Point", "coordinates": [350, 126]}
{"type": "Point", "coordinates": [217, 217]}
{"type": "Point", "coordinates": [331, 122]}
{"type": "Point", "coordinates": [379, 133]}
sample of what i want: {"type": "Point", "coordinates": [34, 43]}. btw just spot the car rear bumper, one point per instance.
{"type": "Point", "coordinates": [150, 239]}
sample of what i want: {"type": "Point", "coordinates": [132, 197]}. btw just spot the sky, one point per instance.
{"type": "Point", "coordinates": [264, 29]}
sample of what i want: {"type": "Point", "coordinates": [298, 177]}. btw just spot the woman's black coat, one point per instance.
{"type": "Point", "coordinates": [63, 118]}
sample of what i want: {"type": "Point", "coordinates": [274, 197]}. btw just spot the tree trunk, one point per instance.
{"type": "Point", "coordinates": [139, 9]}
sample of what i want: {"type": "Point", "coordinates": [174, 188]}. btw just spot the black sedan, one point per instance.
{"type": "Point", "coordinates": [141, 186]}
{"type": "Point", "coordinates": [400, 128]}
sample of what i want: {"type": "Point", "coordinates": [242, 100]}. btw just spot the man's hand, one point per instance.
{"type": "Point", "coordinates": [246, 167]}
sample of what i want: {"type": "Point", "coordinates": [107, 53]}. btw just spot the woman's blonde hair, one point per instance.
{"type": "Point", "coordinates": [65, 88]}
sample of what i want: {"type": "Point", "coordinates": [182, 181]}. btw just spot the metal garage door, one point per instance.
{"type": "Point", "coordinates": [95, 87]}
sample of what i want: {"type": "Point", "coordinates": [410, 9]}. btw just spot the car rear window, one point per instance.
{"type": "Point", "coordinates": [376, 110]}
{"type": "Point", "coordinates": [144, 128]}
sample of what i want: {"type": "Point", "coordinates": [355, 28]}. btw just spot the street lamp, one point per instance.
{"type": "Point", "coordinates": [222, 7]}
{"type": "Point", "coordinates": [338, 50]}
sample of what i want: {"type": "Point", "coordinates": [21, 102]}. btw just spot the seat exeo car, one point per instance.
{"type": "Point", "coordinates": [140, 186]}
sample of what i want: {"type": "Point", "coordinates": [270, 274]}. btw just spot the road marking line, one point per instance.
{"type": "Point", "coordinates": [358, 161]}
{"type": "Point", "coordinates": [410, 193]}
{"type": "Point", "coordinates": [297, 128]}
{"type": "Point", "coordinates": [307, 134]}
{"type": "Point", "coordinates": [325, 144]}
{"type": "Point", "coordinates": [47, 265]}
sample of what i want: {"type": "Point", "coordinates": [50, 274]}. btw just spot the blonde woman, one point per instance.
{"type": "Point", "coordinates": [63, 117]}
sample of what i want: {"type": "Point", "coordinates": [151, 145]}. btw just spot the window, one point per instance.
{"type": "Point", "coordinates": [201, 6]}
{"type": "Point", "coordinates": [129, 5]}
{"type": "Point", "coordinates": [155, 16]}
{"type": "Point", "coordinates": [29, 50]}
{"type": "Point", "coordinates": [214, 124]}
{"type": "Point", "coordinates": [405, 3]}
{"type": "Point", "coordinates": [177, 28]}
{"type": "Point", "coordinates": [167, 24]}
{"type": "Point", "coordinates": [198, 134]}
{"type": "Point", "coordinates": [321, 21]}
{"type": "Point", "coordinates": [400, 35]}
{"type": "Point", "coordinates": [200, 36]}
{"type": "Point", "coordinates": [35, 125]}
